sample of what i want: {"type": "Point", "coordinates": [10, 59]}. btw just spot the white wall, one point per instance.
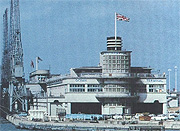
{"type": "Point", "coordinates": [106, 110]}
{"type": "Point", "coordinates": [81, 97]}
{"type": "Point", "coordinates": [34, 88]}
{"type": "Point", "coordinates": [173, 103]}
{"type": "Point", "coordinates": [151, 97]}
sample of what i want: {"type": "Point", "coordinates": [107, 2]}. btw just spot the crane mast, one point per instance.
{"type": "Point", "coordinates": [13, 76]}
{"type": "Point", "coordinates": [5, 68]}
{"type": "Point", "coordinates": [5, 58]}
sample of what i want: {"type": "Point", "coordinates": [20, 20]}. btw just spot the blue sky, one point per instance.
{"type": "Point", "coordinates": [71, 33]}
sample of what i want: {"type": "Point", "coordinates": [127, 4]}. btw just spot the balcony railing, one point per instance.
{"type": "Point", "coordinates": [146, 75]}
{"type": "Point", "coordinates": [127, 75]}
{"type": "Point", "coordinates": [112, 95]}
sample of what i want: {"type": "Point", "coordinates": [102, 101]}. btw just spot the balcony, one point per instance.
{"type": "Point", "coordinates": [113, 95]}
{"type": "Point", "coordinates": [147, 75]}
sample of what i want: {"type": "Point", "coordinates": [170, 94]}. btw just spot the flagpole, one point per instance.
{"type": "Point", "coordinates": [36, 63]}
{"type": "Point", "coordinates": [169, 70]}
{"type": "Point", "coordinates": [115, 29]}
{"type": "Point", "coordinates": [31, 69]}
{"type": "Point", "coordinates": [115, 26]}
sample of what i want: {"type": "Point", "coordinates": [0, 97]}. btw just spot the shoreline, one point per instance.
{"type": "Point", "coordinates": [23, 123]}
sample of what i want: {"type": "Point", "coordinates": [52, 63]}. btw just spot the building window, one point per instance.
{"type": "Point", "coordinates": [77, 85]}
{"type": "Point", "coordinates": [150, 90]}
{"type": "Point", "coordinates": [126, 62]}
{"type": "Point", "coordinates": [94, 90]}
{"type": "Point", "coordinates": [77, 90]}
{"type": "Point", "coordinates": [93, 85]}
{"type": "Point", "coordinates": [150, 85]}
{"type": "Point", "coordinates": [114, 66]}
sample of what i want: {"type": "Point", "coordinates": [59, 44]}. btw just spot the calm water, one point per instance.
{"type": "Point", "coordinates": [7, 126]}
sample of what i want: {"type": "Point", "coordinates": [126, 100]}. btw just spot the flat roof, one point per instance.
{"type": "Point", "coordinates": [116, 51]}
{"type": "Point", "coordinates": [144, 68]}
{"type": "Point", "coordinates": [95, 69]}
{"type": "Point", "coordinates": [39, 72]}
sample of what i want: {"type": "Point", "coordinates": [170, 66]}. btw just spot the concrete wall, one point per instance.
{"type": "Point", "coordinates": [34, 88]}
{"type": "Point", "coordinates": [173, 103]}
{"type": "Point", "coordinates": [82, 97]}
{"type": "Point", "coordinates": [106, 110]}
{"type": "Point", "coordinates": [151, 97]}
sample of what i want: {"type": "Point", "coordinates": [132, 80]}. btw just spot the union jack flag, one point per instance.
{"type": "Point", "coordinates": [121, 17]}
{"type": "Point", "coordinates": [32, 64]}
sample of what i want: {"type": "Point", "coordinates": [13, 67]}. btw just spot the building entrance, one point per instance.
{"type": "Point", "coordinates": [152, 108]}
{"type": "Point", "coordinates": [86, 108]}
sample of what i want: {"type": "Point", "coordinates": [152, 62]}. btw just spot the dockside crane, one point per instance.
{"type": "Point", "coordinates": [5, 67]}
{"type": "Point", "coordinates": [17, 95]}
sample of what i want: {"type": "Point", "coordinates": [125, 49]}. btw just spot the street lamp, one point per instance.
{"type": "Point", "coordinates": [169, 79]}
{"type": "Point", "coordinates": [175, 68]}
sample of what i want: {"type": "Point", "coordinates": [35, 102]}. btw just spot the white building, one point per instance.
{"type": "Point", "coordinates": [113, 87]}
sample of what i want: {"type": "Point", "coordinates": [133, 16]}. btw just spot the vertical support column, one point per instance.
{"type": "Point", "coordinates": [129, 110]}
{"type": "Point", "coordinates": [68, 108]}
{"type": "Point", "coordinates": [165, 87]}
{"type": "Point", "coordinates": [47, 103]}
{"type": "Point", "coordinates": [25, 101]}
{"type": "Point", "coordinates": [165, 108]}
{"type": "Point", "coordinates": [22, 89]}
{"type": "Point", "coordinates": [68, 88]}
{"type": "Point", "coordinates": [49, 107]}
{"type": "Point", "coordinates": [10, 96]}
{"type": "Point", "coordinates": [147, 87]}
{"type": "Point", "coordinates": [36, 102]}
{"type": "Point", "coordinates": [102, 109]}
{"type": "Point", "coordinates": [86, 90]}
{"type": "Point", "coordinates": [121, 110]}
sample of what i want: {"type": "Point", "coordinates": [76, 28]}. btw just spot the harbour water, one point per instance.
{"type": "Point", "coordinates": [7, 126]}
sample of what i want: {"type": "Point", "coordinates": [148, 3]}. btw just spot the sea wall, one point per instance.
{"type": "Point", "coordinates": [22, 122]}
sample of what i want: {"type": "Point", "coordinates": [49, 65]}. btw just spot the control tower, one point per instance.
{"type": "Point", "coordinates": [114, 44]}
{"type": "Point", "coordinates": [115, 62]}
